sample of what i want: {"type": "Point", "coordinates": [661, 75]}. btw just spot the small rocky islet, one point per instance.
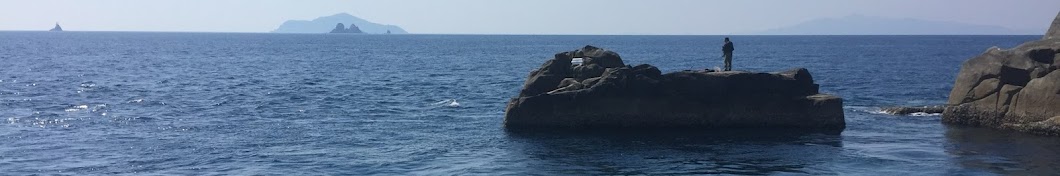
{"type": "Point", "coordinates": [57, 28]}
{"type": "Point", "coordinates": [341, 29]}
{"type": "Point", "coordinates": [604, 93]}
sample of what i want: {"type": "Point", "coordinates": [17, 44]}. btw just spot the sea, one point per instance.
{"type": "Point", "coordinates": [156, 103]}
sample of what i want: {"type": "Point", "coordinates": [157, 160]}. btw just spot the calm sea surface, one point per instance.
{"type": "Point", "coordinates": [92, 103]}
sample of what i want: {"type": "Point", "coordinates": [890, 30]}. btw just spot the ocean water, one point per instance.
{"type": "Point", "coordinates": [123, 103]}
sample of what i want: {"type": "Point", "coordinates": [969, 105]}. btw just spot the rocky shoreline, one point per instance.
{"type": "Point", "coordinates": [1017, 89]}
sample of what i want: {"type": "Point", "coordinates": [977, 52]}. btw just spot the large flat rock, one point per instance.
{"type": "Point", "coordinates": [610, 95]}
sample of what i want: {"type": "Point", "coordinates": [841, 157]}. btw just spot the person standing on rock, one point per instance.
{"type": "Point", "coordinates": [727, 53]}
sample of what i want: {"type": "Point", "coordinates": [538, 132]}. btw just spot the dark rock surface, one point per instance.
{"type": "Point", "coordinates": [1016, 88]}
{"type": "Point", "coordinates": [341, 29]}
{"type": "Point", "coordinates": [912, 110]}
{"type": "Point", "coordinates": [603, 93]}
{"type": "Point", "coordinates": [57, 28]}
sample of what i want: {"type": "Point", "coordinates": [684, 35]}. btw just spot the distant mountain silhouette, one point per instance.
{"type": "Point", "coordinates": [327, 24]}
{"type": "Point", "coordinates": [866, 25]}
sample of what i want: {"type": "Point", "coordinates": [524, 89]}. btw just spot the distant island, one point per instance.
{"type": "Point", "coordinates": [57, 28]}
{"type": "Point", "coordinates": [868, 25]}
{"type": "Point", "coordinates": [329, 24]}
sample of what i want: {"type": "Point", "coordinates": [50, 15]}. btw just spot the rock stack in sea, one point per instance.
{"type": "Point", "coordinates": [340, 28]}
{"type": "Point", "coordinates": [1016, 88]}
{"type": "Point", "coordinates": [57, 28]}
{"type": "Point", "coordinates": [604, 93]}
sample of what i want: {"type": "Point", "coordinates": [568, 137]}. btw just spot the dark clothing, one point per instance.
{"type": "Point", "coordinates": [728, 61]}
{"type": "Point", "coordinates": [727, 50]}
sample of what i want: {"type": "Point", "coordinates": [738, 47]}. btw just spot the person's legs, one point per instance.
{"type": "Point", "coordinates": [728, 62]}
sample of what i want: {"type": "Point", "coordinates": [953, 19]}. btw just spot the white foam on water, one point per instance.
{"type": "Point", "coordinates": [917, 114]}
{"type": "Point", "coordinates": [76, 108]}
{"type": "Point", "coordinates": [923, 114]}
{"type": "Point", "coordinates": [878, 111]}
{"type": "Point", "coordinates": [99, 107]}
{"type": "Point", "coordinates": [447, 103]}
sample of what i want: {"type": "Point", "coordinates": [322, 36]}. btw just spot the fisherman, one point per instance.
{"type": "Point", "coordinates": [727, 54]}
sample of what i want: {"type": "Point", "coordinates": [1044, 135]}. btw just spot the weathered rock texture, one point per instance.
{"type": "Point", "coordinates": [1017, 88]}
{"type": "Point", "coordinates": [603, 92]}
{"type": "Point", "coordinates": [1054, 29]}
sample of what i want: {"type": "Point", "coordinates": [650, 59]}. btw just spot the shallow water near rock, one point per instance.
{"type": "Point", "coordinates": [191, 103]}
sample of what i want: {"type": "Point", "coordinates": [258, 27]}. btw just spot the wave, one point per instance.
{"type": "Point", "coordinates": [922, 111]}
{"type": "Point", "coordinates": [446, 103]}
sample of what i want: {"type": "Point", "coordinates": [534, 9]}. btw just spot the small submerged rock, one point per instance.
{"type": "Point", "coordinates": [914, 110]}
{"type": "Point", "coordinates": [604, 93]}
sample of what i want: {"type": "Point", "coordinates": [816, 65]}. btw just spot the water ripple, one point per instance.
{"type": "Point", "coordinates": [103, 103]}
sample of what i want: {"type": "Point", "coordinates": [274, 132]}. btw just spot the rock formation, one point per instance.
{"type": "Point", "coordinates": [341, 29]}
{"type": "Point", "coordinates": [354, 29]}
{"type": "Point", "coordinates": [1016, 88]}
{"type": "Point", "coordinates": [326, 24]}
{"type": "Point", "coordinates": [1054, 29]}
{"type": "Point", "coordinates": [912, 110]}
{"type": "Point", "coordinates": [57, 28]}
{"type": "Point", "coordinates": [603, 93]}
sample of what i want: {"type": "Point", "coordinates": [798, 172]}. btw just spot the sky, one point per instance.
{"type": "Point", "coordinates": [604, 17]}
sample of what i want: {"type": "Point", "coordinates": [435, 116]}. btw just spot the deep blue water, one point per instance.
{"type": "Point", "coordinates": [217, 103]}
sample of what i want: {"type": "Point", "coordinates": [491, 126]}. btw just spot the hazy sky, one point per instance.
{"type": "Point", "coordinates": [509, 16]}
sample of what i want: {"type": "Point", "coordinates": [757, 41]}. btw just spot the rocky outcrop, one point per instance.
{"type": "Point", "coordinates": [1054, 29]}
{"type": "Point", "coordinates": [603, 92]}
{"type": "Point", "coordinates": [57, 28]}
{"type": "Point", "coordinates": [1016, 88]}
{"type": "Point", "coordinates": [914, 110]}
{"type": "Point", "coordinates": [326, 24]}
{"type": "Point", "coordinates": [340, 28]}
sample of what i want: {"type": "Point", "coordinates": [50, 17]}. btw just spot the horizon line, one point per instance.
{"type": "Point", "coordinates": [518, 34]}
